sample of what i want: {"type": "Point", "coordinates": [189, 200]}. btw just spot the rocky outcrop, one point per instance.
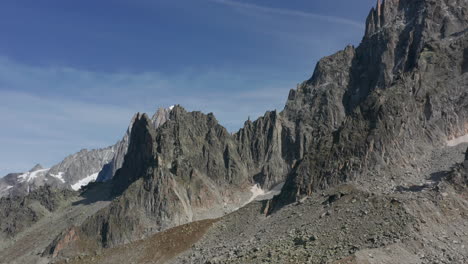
{"type": "Point", "coordinates": [458, 176]}
{"type": "Point", "coordinates": [62, 242]}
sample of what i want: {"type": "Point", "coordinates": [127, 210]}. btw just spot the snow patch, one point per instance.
{"type": "Point", "coordinates": [270, 194]}
{"type": "Point", "coordinates": [171, 107]}
{"type": "Point", "coordinates": [28, 176]}
{"type": "Point", "coordinates": [256, 192]}
{"type": "Point", "coordinates": [457, 141]}
{"type": "Point", "coordinates": [59, 176]}
{"type": "Point", "coordinates": [7, 188]}
{"type": "Point", "coordinates": [84, 181]}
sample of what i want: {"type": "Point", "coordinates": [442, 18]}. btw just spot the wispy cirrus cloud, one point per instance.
{"type": "Point", "coordinates": [289, 12]}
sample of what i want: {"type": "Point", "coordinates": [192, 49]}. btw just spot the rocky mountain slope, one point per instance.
{"type": "Point", "coordinates": [360, 148]}
{"type": "Point", "coordinates": [19, 212]}
{"type": "Point", "coordinates": [374, 109]}
{"type": "Point", "coordinates": [347, 224]}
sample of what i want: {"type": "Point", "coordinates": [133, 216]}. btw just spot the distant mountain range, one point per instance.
{"type": "Point", "coordinates": [76, 170]}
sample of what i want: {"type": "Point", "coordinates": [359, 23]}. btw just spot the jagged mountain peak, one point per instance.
{"type": "Point", "coordinates": [381, 14]}
{"type": "Point", "coordinates": [160, 117]}
{"type": "Point", "coordinates": [437, 17]}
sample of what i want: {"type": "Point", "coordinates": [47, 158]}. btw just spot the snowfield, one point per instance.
{"type": "Point", "coordinates": [457, 141]}
{"type": "Point", "coordinates": [84, 181]}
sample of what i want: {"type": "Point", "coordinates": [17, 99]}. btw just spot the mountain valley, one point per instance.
{"type": "Point", "coordinates": [367, 163]}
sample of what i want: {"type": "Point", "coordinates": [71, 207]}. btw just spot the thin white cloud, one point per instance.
{"type": "Point", "coordinates": [289, 12]}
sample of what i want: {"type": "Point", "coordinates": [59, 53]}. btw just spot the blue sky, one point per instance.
{"type": "Point", "coordinates": [73, 73]}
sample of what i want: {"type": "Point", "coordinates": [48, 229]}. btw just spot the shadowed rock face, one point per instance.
{"type": "Point", "coordinates": [405, 92]}
{"type": "Point", "coordinates": [402, 92]}
{"type": "Point", "coordinates": [121, 148]}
